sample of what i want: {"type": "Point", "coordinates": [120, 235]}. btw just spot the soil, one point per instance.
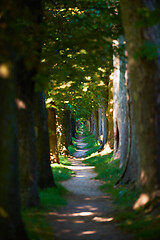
{"type": "Point", "coordinates": [89, 212]}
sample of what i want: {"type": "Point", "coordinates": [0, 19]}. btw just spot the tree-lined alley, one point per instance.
{"type": "Point", "coordinates": [64, 63]}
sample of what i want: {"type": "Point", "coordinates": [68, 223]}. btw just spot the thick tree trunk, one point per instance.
{"type": "Point", "coordinates": [100, 124]}
{"type": "Point", "coordinates": [11, 226]}
{"type": "Point", "coordinates": [144, 76]}
{"type": "Point", "coordinates": [62, 135]}
{"type": "Point", "coordinates": [110, 137]}
{"type": "Point", "coordinates": [26, 136]}
{"type": "Point", "coordinates": [53, 135]}
{"type": "Point", "coordinates": [73, 121]}
{"type": "Point", "coordinates": [131, 171]}
{"type": "Point", "coordinates": [104, 125]}
{"type": "Point", "coordinates": [120, 107]}
{"type": "Point", "coordinates": [45, 176]}
{"type": "Point", "coordinates": [96, 126]}
{"type": "Point", "coordinates": [68, 126]}
{"type": "Point", "coordinates": [116, 106]}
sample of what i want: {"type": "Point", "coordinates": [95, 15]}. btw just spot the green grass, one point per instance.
{"type": "Point", "coordinates": [64, 160]}
{"type": "Point", "coordinates": [143, 225]}
{"type": "Point", "coordinates": [60, 172]}
{"type": "Point", "coordinates": [92, 144]}
{"type": "Point", "coordinates": [71, 149]}
{"type": "Point", "coordinates": [35, 219]}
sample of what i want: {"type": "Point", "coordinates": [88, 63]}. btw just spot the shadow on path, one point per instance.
{"type": "Point", "coordinates": [89, 213]}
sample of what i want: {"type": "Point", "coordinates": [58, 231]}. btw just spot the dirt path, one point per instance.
{"type": "Point", "coordinates": [89, 214]}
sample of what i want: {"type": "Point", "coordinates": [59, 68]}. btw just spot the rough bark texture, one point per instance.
{"type": "Point", "coordinates": [53, 135]}
{"type": "Point", "coordinates": [131, 172]}
{"type": "Point", "coordinates": [11, 226]}
{"type": "Point", "coordinates": [26, 136]}
{"type": "Point", "coordinates": [45, 176]}
{"type": "Point", "coordinates": [144, 77]}
{"type": "Point", "coordinates": [120, 116]}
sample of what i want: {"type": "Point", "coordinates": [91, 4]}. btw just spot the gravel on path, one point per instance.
{"type": "Point", "coordinates": [89, 212]}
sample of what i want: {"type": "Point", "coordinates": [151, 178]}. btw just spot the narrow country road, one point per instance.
{"type": "Point", "coordinates": [89, 213]}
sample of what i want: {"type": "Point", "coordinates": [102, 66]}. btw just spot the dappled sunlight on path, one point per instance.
{"type": "Point", "coordinates": [89, 213]}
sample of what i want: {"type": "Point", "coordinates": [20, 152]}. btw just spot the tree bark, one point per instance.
{"type": "Point", "coordinates": [104, 125]}
{"type": "Point", "coordinates": [120, 107]}
{"type": "Point", "coordinates": [11, 226]}
{"type": "Point", "coordinates": [54, 155]}
{"type": "Point", "coordinates": [62, 135]}
{"type": "Point", "coordinates": [73, 122]}
{"type": "Point", "coordinates": [45, 176]}
{"type": "Point", "coordinates": [144, 75]}
{"type": "Point", "coordinates": [26, 136]}
{"type": "Point", "coordinates": [109, 115]}
{"type": "Point", "coordinates": [68, 126]}
{"type": "Point", "coordinates": [99, 123]}
{"type": "Point", "coordinates": [96, 126]}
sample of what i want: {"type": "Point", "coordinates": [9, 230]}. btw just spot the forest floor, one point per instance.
{"type": "Point", "coordinates": [89, 212]}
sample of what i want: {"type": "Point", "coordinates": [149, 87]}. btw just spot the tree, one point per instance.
{"type": "Point", "coordinates": [45, 176]}
{"type": "Point", "coordinates": [11, 226]}
{"type": "Point", "coordinates": [141, 31]}
{"type": "Point", "coordinates": [53, 133]}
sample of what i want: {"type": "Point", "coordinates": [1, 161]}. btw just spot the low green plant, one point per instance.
{"type": "Point", "coordinates": [144, 226]}
{"type": "Point", "coordinates": [36, 223]}
{"type": "Point", "coordinates": [60, 172]}
{"type": "Point", "coordinates": [64, 160]}
{"type": "Point", "coordinates": [35, 219]}
{"type": "Point", "coordinates": [71, 149]}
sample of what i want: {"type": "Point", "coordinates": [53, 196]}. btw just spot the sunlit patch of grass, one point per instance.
{"type": "Point", "coordinates": [71, 149]}
{"type": "Point", "coordinates": [60, 172]}
{"type": "Point", "coordinates": [64, 160]}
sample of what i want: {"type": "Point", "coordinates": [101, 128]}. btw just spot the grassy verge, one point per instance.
{"type": "Point", "coordinates": [143, 225]}
{"type": "Point", "coordinates": [35, 219]}
{"type": "Point", "coordinates": [92, 144]}
{"type": "Point", "coordinates": [72, 148]}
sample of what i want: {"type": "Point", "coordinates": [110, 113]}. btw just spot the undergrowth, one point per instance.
{"type": "Point", "coordinates": [92, 144]}
{"type": "Point", "coordinates": [35, 219]}
{"type": "Point", "coordinates": [143, 225]}
{"type": "Point", "coordinates": [72, 148]}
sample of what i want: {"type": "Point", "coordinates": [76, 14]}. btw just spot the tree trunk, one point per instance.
{"type": "Point", "coordinates": [73, 122]}
{"type": "Point", "coordinates": [104, 125]}
{"type": "Point", "coordinates": [26, 136]}
{"type": "Point", "coordinates": [123, 108]}
{"type": "Point", "coordinates": [68, 126]}
{"type": "Point", "coordinates": [131, 171]}
{"type": "Point", "coordinates": [45, 176]}
{"type": "Point", "coordinates": [11, 226]}
{"type": "Point", "coordinates": [53, 135]}
{"type": "Point", "coordinates": [96, 126]}
{"type": "Point", "coordinates": [100, 124]}
{"type": "Point", "coordinates": [120, 107]}
{"type": "Point", "coordinates": [144, 75]}
{"type": "Point", "coordinates": [109, 115]}
{"type": "Point", "coordinates": [62, 135]}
